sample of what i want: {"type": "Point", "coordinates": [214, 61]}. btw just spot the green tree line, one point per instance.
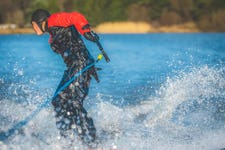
{"type": "Point", "coordinates": [208, 15]}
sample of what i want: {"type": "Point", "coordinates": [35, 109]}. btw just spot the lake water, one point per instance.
{"type": "Point", "coordinates": [160, 91]}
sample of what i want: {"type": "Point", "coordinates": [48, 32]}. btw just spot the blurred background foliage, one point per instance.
{"type": "Point", "coordinates": [208, 15]}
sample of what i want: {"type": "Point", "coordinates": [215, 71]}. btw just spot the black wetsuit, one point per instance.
{"type": "Point", "coordinates": [68, 105]}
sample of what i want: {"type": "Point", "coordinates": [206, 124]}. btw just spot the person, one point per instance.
{"type": "Point", "coordinates": [65, 31]}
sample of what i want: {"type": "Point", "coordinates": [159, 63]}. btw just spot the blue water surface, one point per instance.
{"type": "Point", "coordinates": [177, 78]}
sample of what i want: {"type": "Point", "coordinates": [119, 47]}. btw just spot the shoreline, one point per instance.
{"type": "Point", "coordinates": [123, 28]}
{"type": "Point", "coordinates": [17, 31]}
{"type": "Point", "coordinates": [144, 27]}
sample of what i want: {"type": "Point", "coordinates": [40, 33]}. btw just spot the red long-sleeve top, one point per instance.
{"type": "Point", "coordinates": [64, 19]}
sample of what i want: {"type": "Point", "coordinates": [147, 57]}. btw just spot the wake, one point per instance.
{"type": "Point", "coordinates": [186, 113]}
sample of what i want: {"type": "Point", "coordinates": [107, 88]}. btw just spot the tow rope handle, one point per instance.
{"type": "Point", "coordinates": [102, 51]}
{"type": "Point", "coordinates": [100, 47]}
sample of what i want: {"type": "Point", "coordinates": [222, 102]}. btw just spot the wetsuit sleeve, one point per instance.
{"type": "Point", "coordinates": [91, 36]}
{"type": "Point", "coordinates": [64, 19]}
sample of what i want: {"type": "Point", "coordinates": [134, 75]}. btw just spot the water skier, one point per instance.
{"type": "Point", "coordinates": [65, 31]}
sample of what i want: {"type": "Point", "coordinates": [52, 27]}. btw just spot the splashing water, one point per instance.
{"type": "Point", "coordinates": [198, 85]}
{"type": "Point", "coordinates": [187, 113]}
{"type": "Point", "coordinates": [151, 124]}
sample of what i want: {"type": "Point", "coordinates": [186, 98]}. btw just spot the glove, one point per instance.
{"type": "Point", "coordinates": [93, 72]}
{"type": "Point", "coordinates": [91, 36]}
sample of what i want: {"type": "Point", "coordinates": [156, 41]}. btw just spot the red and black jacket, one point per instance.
{"type": "Point", "coordinates": [65, 19]}
{"type": "Point", "coordinates": [65, 31]}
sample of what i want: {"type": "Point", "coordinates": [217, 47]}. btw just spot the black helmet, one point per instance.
{"type": "Point", "coordinates": [39, 16]}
